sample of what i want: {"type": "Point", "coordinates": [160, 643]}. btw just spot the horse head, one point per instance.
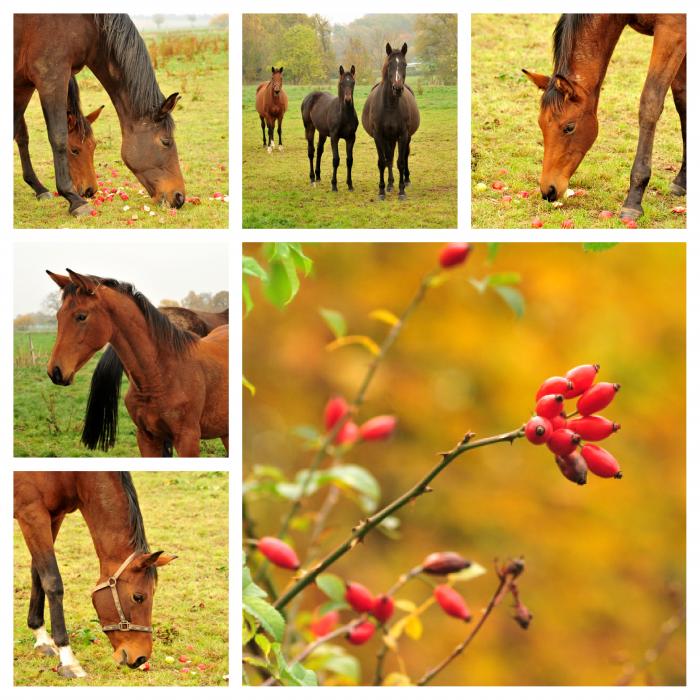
{"type": "Point", "coordinates": [569, 128]}
{"type": "Point", "coordinates": [346, 84]}
{"type": "Point", "coordinates": [81, 151]}
{"type": "Point", "coordinates": [395, 68]}
{"type": "Point", "coordinates": [276, 80]}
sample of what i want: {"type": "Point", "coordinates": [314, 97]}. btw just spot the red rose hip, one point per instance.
{"type": "Point", "coordinates": [550, 405]}
{"type": "Point", "coordinates": [581, 378]}
{"type": "Point", "coordinates": [359, 597]}
{"type": "Point", "coordinates": [452, 602]}
{"type": "Point", "coordinates": [593, 427]}
{"type": "Point", "coordinates": [361, 633]}
{"type": "Point", "coordinates": [596, 398]}
{"type": "Point", "coordinates": [383, 608]}
{"type": "Point", "coordinates": [325, 624]}
{"type": "Point", "coordinates": [563, 442]}
{"type": "Point", "coordinates": [601, 462]}
{"type": "Point", "coordinates": [554, 385]}
{"type": "Point", "coordinates": [347, 434]}
{"type": "Point", "coordinates": [559, 422]}
{"type": "Point", "coordinates": [335, 409]}
{"type": "Point", "coordinates": [538, 430]}
{"type": "Point", "coordinates": [454, 254]}
{"type": "Point", "coordinates": [278, 553]}
{"type": "Point", "coordinates": [378, 428]}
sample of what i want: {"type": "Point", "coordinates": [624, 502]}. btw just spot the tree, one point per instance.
{"type": "Point", "coordinates": [219, 302]}
{"type": "Point", "coordinates": [192, 19]}
{"type": "Point", "coordinates": [436, 44]}
{"type": "Point", "coordinates": [51, 303]}
{"type": "Point", "coordinates": [158, 19]}
{"type": "Point", "coordinates": [300, 51]}
{"type": "Point", "coordinates": [358, 54]}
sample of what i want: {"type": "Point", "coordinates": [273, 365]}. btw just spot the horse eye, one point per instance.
{"type": "Point", "coordinates": [138, 597]}
{"type": "Point", "coordinates": [570, 128]}
{"type": "Point", "coordinates": [167, 142]}
{"type": "Point", "coordinates": [80, 317]}
{"type": "Point", "coordinates": [75, 151]}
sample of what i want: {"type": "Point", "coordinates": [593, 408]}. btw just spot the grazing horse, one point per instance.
{"type": "Point", "coordinates": [178, 382]}
{"type": "Point", "coordinates": [81, 147]}
{"type": "Point", "coordinates": [335, 117]}
{"type": "Point", "coordinates": [391, 116]}
{"type": "Point", "coordinates": [49, 48]}
{"type": "Point", "coordinates": [102, 410]}
{"type": "Point", "coordinates": [271, 104]}
{"type": "Point", "coordinates": [583, 45]}
{"type": "Point", "coordinates": [123, 596]}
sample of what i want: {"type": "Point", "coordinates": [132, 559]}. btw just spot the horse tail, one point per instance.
{"type": "Point", "coordinates": [167, 448]}
{"type": "Point", "coordinates": [102, 411]}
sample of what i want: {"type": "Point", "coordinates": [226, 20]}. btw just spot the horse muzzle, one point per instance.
{"type": "Point", "coordinates": [397, 89]}
{"type": "Point", "coordinates": [550, 194]}
{"type": "Point", "coordinates": [57, 377]}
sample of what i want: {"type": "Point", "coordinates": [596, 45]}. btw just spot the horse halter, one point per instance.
{"type": "Point", "coordinates": [123, 625]}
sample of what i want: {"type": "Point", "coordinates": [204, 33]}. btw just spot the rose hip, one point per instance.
{"type": "Point", "coordinates": [538, 430]}
{"type": "Point", "coordinates": [347, 434]}
{"type": "Point", "coordinates": [452, 602]}
{"type": "Point", "coordinates": [559, 422]}
{"type": "Point", "coordinates": [383, 608]}
{"type": "Point", "coordinates": [279, 553]}
{"type": "Point", "coordinates": [573, 467]}
{"type": "Point", "coordinates": [443, 563]}
{"type": "Point", "coordinates": [361, 633]}
{"type": "Point", "coordinates": [581, 378]}
{"type": "Point", "coordinates": [335, 409]}
{"type": "Point", "coordinates": [563, 442]}
{"type": "Point", "coordinates": [593, 427]}
{"type": "Point", "coordinates": [601, 462]}
{"type": "Point", "coordinates": [359, 597]}
{"type": "Point", "coordinates": [454, 254]}
{"type": "Point", "coordinates": [596, 398]}
{"type": "Point", "coordinates": [554, 385]}
{"type": "Point", "coordinates": [378, 428]}
{"type": "Point", "coordinates": [549, 405]}
{"type": "Point", "coordinates": [321, 626]}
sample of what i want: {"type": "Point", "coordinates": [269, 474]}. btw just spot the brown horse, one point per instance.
{"type": "Point", "coordinates": [81, 148]}
{"type": "Point", "coordinates": [583, 45]}
{"type": "Point", "coordinates": [271, 104]}
{"type": "Point", "coordinates": [123, 596]}
{"type": "Point", "coordinates": [390, 116]}
{"type": "Point", "coordinates": [102, 410]}
{"type": "Point", "coordinates": [178, 383]}
{"type": "Point", "coordinates": [49, 48]}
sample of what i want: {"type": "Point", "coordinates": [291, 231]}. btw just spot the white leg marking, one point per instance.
{"type": "Point", "coordinates": [280, 148]}
{"type": "Point", "coordinates": [44, 643]}
{"type": "Point", "coordinates": [70, 667]}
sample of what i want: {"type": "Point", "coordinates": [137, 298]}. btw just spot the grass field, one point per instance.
{"type": "Point", "coordinates": [276, 188]}
{"type": "Point", "coordinates": [49, 418]}
{"type": "Point", "coordinates": [190, 612]}
{"type": "Point", "coordinates": [195, 64]}
{"type": "Point", "coordinates": [507, 142]}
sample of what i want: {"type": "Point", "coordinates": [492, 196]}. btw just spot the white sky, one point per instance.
{"type": "Point", "coordinates": [342, 16]}
{"type": "Point", "coordinates": [160, 265]}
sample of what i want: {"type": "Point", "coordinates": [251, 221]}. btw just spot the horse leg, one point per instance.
{"type": "Point", "coordinates": [666, 57]}
{"type": "Point", "coordinates": [349, 144]}
{"type": "Point", "coordinates": [336, 163]}
{"type": "Point", "coordinates": [310, 133]}
{"type": "Point", "coordinates": [319, 153]}
{"type": "Point", "coordinates": [678, 89]}
{"type": "Point", "coordinates": [262, 126]}
{"type": "Point", "coordinates": [280, 147]}
{"type": "Point", "coordinates": [148, 445]}
{"type": "Point", "coordinates": [407, 174]}
{"type": "Point", "coordinates": [224, 439]}
{"type": "Point", "coordinates": [381, 164]}
{"type": "Point", "coordinates": [36, 527]}
{"type": "Point", "coordinates": [270, 136]}
{"type": "Point", "coordinates": [28, 174]}
{"type": "Point", "coordinates": [401, 166]}
{"type": "Point", "coordinates": [187, 442]}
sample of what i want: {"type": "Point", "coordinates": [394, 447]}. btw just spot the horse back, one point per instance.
{"type": "Point", "coordinates": [49, 492]}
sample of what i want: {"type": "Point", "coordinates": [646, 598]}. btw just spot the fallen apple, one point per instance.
{"type": "Point", "coordinates": [536, 222]}
{"type": "Point", "coordinates": [567, 223]}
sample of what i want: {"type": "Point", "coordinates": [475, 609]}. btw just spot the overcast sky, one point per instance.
{"type": "Point", "coordinates": [160, 269]}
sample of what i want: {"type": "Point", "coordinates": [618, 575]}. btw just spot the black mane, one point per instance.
{"type": "Point", "coordinates": [82, 125]}
{"type": "Point", "coordinates": [163, 330]}
{"type": "Point", "coordinates": [125, 45]}
{"type": "Point", "coordinates": [137, 533]}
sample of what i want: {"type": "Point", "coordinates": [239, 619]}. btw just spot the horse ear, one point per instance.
{"type": "Point", "coordinates": [143, 561]}
{"type": "Point", "coordinates": [82, 282]}
{"type": "Point", "coordinates": [274, 70]}
{"type": "Point", "coordinates": [404, 48]}
{"type": "Point", "coordinates": [92, 117]}
{"type": "Point", "coordinates": [352, 71]}
{"type": "Point", "coordinates": [281, 68]}
{"type": "Point", "coordinates": [388, 49]}
{"type": "Point", "coordinates": [565, 87]}
{"type": "Point", "coordinates": [168, 105]}
{"type": "Point", "coordinates": [60, 280]}
{"type": "Point", "coordinates": [341, 71]}
{"type": "Point", "coordinates": [541, 81]}
{"type": "Point", "coordinates": [72, 122]}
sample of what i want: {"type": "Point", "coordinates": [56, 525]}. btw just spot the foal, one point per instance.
{"type": "Point", "coordinates": [271, 104]}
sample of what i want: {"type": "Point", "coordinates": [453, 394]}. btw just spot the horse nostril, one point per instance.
{"type": "Point", "coordinates": [140, 661]}
{"type": "Point", "coordinates": [551, 194]}
{"type": "Point", "coordinates": [178, 199]}
{"type": "Point", "coordinates": [89, 192]}
{"type": "Point", "coordinates": [56, 376]}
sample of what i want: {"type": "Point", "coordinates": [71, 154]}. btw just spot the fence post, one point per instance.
{"type": "Point", "coordinates": [31, 349]}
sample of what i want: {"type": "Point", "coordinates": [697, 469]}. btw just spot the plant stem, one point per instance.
{"type": "Point", "coordinates": [367, 525]}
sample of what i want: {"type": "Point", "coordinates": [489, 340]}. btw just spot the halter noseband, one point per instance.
{"type": "Point", "coordinates": [123, 625]}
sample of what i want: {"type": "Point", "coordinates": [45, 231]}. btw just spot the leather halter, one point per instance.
{"type": "Point", "coordinates": [123, 625]}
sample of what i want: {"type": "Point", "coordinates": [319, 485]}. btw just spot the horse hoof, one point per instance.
{"type": "Point", "coordinates": [46, 649]}
{"type": "Point", "coordinates": [44, 195]}
{"type": "Point", "coordinates": [269, 149]}
{"type": "Point", "coordinates": [280, 148]}
{"type": "Point", "coordinates": [389, 188]}
{"type": "Point", "coordinates": [382, 196]}
{"type": "Point", "coordinates": [677, 189]}
{"type": "Point", "coordinates": [628, 213]}
{"type": "Point", "coordinates": [351, 188]}
{"type": "Point", "coordinates": [406, 183]}
{"type": "Point", "coordinates": [402, 195]}
{"type": "Point", "coordinates": [82, 210]}
{"type": "Point", "coordinates": [74, 671]}
{"type": "Point", "coordinates": [334, 188]}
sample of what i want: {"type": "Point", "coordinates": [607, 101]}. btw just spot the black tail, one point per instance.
{"type": "Point", "coordinates": [102, 411]}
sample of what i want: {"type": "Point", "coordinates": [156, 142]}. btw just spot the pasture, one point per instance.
{"type": "Point", "coordinates": [507, 141]}
{"type": "Point", "coordinates": [276, 188]}
{"type": "Point", "coordinates": [48, 419]}
{"type": "Point", "coordinates": [190, 612]}
{"type": "Point", "coordinates": [193, 63]}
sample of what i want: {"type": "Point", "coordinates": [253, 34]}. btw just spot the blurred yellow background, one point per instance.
{"type": "Point", "coordinates": [601, 559]}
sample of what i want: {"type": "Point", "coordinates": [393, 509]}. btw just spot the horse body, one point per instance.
{"type": "Point", "coordinates": [178, 389]}
{"type": "Point", "coordinates": [391, 116]}
{"type": "Point", "coordinates": [583, 46]}
{"type": "Point", "coordinates": [109, 505]}
{"type": "Point", "coordinates": [333, 117]}
{"type": "Point", "coordinates": [49, 48]}
{"type": "Point", "coordinates": [271, 103]}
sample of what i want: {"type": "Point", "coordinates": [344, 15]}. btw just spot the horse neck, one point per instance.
{"type": "Point", "coordinates": [105, 509]}
{"type": "Point", "coordinates": [389, 99]}
{"type": "Point", "coordinates": [271, 93]}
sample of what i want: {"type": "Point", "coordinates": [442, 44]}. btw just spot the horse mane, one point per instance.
{"type": "Point", "coordinates": [164, 331]}
{"type": "Point", "coordinates": [137, 532]}
{"type": "Point", "coordinates": [564, 37]}
{"type": "Point", "coordinates": [128, 49]}
{"type": "Point", "coordinates": [82, 125]}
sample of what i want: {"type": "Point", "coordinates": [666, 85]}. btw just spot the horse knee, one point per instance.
{"type": "Point", "coordinates": [650, 110]}
{"type": "Point", "coordinates": [52, 583]}
{"type": "Point", "coordinates": [640, 177]}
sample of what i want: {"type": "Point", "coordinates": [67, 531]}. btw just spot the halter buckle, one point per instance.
{"type": "Point", "coordinates": [124, 626]}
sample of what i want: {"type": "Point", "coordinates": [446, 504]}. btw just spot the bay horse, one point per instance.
{"type": "Point", "coordinates": [390, 116]}
{"type": "Point", "coordinates": [123, 595]}
{"type": "Point", "coordinates": [271, 104]}
{"type": "Point", "coordinates": [583, 46]}
{"type": "Point", "coordinates": [49, 48]}
{"type": "Point", "coordinates": [333, 117]}
{"type": "Point", "coordinates": [178, 382]}
{"type": "Point", "coordinates": [81, 148]}
{"type": "Point", "coordinates": [102, 410]}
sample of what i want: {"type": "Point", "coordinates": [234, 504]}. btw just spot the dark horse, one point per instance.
{"type": "Point", "coordinates": [50, 48]}
{"type": "Point", "coordinates": [102, 410]}
{"type": "Point", "coordinates": [583, 45]}
{"type": "Point", "coordinates": [178, 382]}
{"type": "Point", "coordinates": [123, 596]}
{"type": "Point", "coordinates": [81, 148]}
{"type": "Point", "coordinates": [335, 117]}
{"type": "Point", "coordinates": [391, 116]}
{"type": "Point", "coordinates": [271, 104]}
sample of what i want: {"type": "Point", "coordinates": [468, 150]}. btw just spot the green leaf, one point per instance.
{"type": "Point", "coordinates": [479, 285]}
{"type": "Point", "coordinates": [597, 247]}
{"type": "Point", "coordinates": [492, 251]}
{"type": "Point", "coordinates": [335, 321]}
{"type": "Point", "coordinates": [266, 615]}
{"type": "Point", "coordinates": [247, 299]}
{"type": "Point", "coordinates": [264, 643]}
{"type": "Point", "coordinates": [278, 288]}
{"type": "Point", "coordinates": [253, 590]}
{"type": "Point", "coordinates": [253, 268]}
{"type": "Point", "coordinates": [359, 479]}
{"type": "Point", "coordinates": [332, 585]}
{"type": "Point", "coordinates": [249, 386]}
{"type": "Point", "coordinates": [292, 276]}
{"type": "Point", "coordinates": [331, 605]}
{"type": "Point", "coordinates": [308, 433]}
{"type": "Point", "coordinates": [345, 666]}
{"type": "Point", "coordinates": [473, 571]}
{"type": "Point", "coordinates": [499, 279]}
{"type": "Point", "coordinates": [513, 298]}
{"type": "Point", "coordinates": [304, 676]}
{"type": "Point", "coordinates": [300, 260]}
{"type": "Point", "coordinates": [267, 471]}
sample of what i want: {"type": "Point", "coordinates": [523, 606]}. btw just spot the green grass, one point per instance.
{"type": "Point", "coordinates": [505, 133]}
{"type": "Point", "coordinates": [49, 418]}
{"type": "Point", "coordinates": [276, 189]}
{"type": "Point", "coordinates": [190, 612]}
{"type": "Point", "coordinates": [201, 119]}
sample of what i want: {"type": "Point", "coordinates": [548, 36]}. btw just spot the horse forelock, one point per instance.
{"type": "Point", "coordinates": [82, 125]}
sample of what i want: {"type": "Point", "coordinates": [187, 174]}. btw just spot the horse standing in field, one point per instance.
{"type": "Point", "coordinates": [178, 382]}
{"type": "Point", "coordinates": [271, 104]}
{"type": "Point", "coordinates": [102, 410]}
{"type": "Point", "coordinates": [49, 48]}
{"type": "Point", "coordinates": [391, 116]}
{"type": "Point", "coordinates": [81, 148]}
{"type": "Point", "coordinates": [333, 117]}
{"type": "Point", "coordinates": [123, 596]}
{"type": "Point", "coordinates": [583, 45]}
